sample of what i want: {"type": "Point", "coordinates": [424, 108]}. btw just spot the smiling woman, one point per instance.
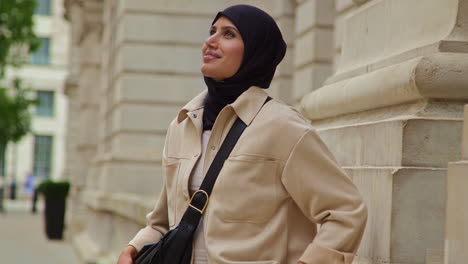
{"type": "Point", "coordinates": [276, 185]}
{"type": "Point", "coordinates": [222, 51]}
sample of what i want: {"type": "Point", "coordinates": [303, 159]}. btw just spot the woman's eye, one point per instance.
{"type": "Point", "coordinates": [229, 34]}
{"type": "Point", "coordinates": [212, 32]}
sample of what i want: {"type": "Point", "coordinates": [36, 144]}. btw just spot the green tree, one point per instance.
{"type": "Point", "coordinates": [17, 41]}
{"type": "Point", "coordinates": [17, 37]}
{"type": "Point", "coordinates": [15, 118]}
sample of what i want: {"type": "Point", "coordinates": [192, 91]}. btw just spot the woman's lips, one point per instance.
{"type": "Point", "coordinates": [208, 58]}
{"type": "Point", "coordinates": [210, 55]}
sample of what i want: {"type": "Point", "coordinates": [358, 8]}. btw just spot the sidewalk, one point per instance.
{"type": "Point", "coordinates": [22, 238]}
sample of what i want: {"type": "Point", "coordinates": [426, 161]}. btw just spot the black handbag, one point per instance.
{"type": "Point", "coordinates": [175, 247]}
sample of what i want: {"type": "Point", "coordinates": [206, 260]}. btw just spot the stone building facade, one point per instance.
{"type": "Point", "coordinates": [384, 81]}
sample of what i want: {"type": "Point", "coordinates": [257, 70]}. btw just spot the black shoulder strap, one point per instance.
{"type": "Point", "coordinates": [231, 139]}
{"type": "Point", "coordinates": [200, 198]}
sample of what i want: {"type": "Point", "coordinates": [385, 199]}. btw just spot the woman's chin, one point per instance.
{"type": "Point", "coordinates": [204, 71]}
{"type": "Point", "coordinates": [209, 74]}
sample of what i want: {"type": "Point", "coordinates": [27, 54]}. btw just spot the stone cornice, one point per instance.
{"type": "Point", "coordinates": [68, 5]}
{"type": "Point", "coordinates": [84, 15]}
{"type": "Point", "coordinates": [440, 76]}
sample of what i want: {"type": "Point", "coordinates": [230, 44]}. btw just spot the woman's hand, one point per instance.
{"type": "Point", "coordinates": [127, 255]}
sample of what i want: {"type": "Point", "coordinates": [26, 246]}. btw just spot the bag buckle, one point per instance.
{"type": "Point", "coordinates": [204, 206]}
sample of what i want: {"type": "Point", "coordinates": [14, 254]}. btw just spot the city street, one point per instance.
{"type": "Point", "coordinates": [22, 238]}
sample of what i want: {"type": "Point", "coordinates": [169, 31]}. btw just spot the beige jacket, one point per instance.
{"type": "Point", "coordinates": [279, 182]}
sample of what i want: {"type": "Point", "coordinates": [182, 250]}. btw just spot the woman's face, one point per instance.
{"type": "Point", "coordinates": [223, 51]}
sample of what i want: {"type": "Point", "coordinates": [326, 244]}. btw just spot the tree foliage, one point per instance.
{"type": "Point", "coordinates": [17, 41]}
{"type": "Point", "coordinates": [15, 119]}
{"type": "Point", "coordinates": [17, 37]}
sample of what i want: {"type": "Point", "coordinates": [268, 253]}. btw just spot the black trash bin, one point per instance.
{"type": "Point", "coordinates": [54, 216]}
{"type": "Point", "coordinates": [55, 194]}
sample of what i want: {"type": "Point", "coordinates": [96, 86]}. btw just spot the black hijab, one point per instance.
{"type": "Point", "coordinates": [264, 48]}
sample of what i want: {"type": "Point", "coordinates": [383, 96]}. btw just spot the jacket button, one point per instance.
{"type": "Point", "coordinates": [194, 115]}
{"type": "Point", "coordinates": [213, 147]}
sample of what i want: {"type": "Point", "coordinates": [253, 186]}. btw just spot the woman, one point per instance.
{"type": "Point", "coordinates": [279, 181]}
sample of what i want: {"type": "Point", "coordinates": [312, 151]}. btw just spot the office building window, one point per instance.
{"type": "Point", "coordinates": [45, 103]}
{"type": "Point", "coordinates": [42, 55]}
{"type": "Point", "coordinates": [43, 7]}
{"type": "Point", "coordinates": [42, 156]}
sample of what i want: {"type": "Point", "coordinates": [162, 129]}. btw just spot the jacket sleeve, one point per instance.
{"type": "Point", "coordinates": [157, 221]}
{"type": "Point", "coordinates": [326, 195]}
{"type": "Point", "coordinates": [157, 224]}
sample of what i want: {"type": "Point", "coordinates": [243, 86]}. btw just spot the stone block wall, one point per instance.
{"type": "Point", "coordinates": [382, 81]}
{"type": "Point", "coordinates": [392, 114]}
{"type": "Point", "coordinates": [456, 226]}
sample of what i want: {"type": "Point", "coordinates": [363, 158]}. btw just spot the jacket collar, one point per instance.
{"type": "Point", "coordinates": [246, 106]}
{"type": "Point", "coordinates": [194, 104]}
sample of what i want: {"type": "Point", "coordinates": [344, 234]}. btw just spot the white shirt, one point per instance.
{"type": "Point", "coordinates": [196, 179]}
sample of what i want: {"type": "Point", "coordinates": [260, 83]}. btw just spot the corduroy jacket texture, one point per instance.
{"type": "Point", "coordinates": [278, 183]}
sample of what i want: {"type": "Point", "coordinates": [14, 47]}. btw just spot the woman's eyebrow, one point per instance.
{"type": "Point", "coordinates": [230, 27]}
{"type": "Point", "coordinates": [227, 27]}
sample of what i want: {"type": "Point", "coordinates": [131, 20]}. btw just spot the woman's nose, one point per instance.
{"type": "Point", "coordinates": [212, 41]}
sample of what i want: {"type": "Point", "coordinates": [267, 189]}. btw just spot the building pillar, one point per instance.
{"type": "Point", "coordinates": [73, 168]}
{"type": "Point", "coordinates": [313, 54]}
{"type": "Point", "coordinates": [82, 90]}
{"type": "Point", "coordinates": [284, 14]}
{"type": "Point", "coordinates": [392, 114]}
{"type": "Point", "coordinates": [456, 225]}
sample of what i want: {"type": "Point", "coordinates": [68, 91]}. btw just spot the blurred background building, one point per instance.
{"type": "Point", "coordinates": [384, 82]}
{"type": "Point", "coordinates": [42, 151]}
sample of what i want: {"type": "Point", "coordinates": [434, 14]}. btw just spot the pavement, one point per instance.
{"type": "Point", "coordinates": [23, 240]}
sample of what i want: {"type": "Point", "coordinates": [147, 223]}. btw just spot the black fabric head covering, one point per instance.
{"type": "Point", "coordinates": [264, 48]}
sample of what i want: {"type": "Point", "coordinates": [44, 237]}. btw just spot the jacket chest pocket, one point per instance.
{"type": "Point", "coordinates": [171, 173]}
{"type": "Point", "coordinates": [247, 190]}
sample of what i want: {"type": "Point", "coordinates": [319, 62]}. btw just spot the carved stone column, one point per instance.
{"type": "Point", "coordinates": [74, 168]}
{"type": "Point", "coordinates": [82, 90]}
{"type": "Point", "coordinates": [456, 225]}
{"type": "Point", "coordinates": [313, 55]}
{"type": "Point", "coordinates": [284, 14]}
{"type": "Point", "coordinates": [392, 114]}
